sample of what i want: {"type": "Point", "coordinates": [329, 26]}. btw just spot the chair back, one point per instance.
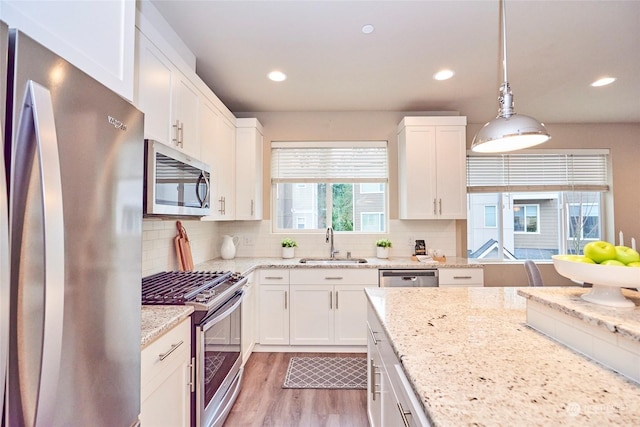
{"type": "Point", "coordinates": [533, 273]}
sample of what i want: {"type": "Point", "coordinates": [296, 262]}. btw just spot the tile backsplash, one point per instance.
{"type": "Point", "coordinates": [257, 240]}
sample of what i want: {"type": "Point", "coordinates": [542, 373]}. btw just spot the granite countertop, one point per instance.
{"type": "Point", "coordinates": [158, 319]}
{"type": "Point", "coordinates": [623, 321]}
{"type": "Point", "coordinates": [472, 360]}
{"type": "Point", "coordinates": [247, 265]}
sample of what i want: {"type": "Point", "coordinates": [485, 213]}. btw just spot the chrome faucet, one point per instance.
{"type": "Point", "coordinates": [329, 239]}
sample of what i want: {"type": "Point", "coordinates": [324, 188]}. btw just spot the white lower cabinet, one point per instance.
{"type": "Point", "coordinates": [274, 307]}
{"type": "Point", "coordinates": [166, 379]}
{"type": "Point", "coordinates": [390, 398]}
{"type": "Point", "coordinates": [314, 306]}
{"type": "Point", "coordinates": [328, 306]}
{"type": "Point", "coordinates": [460, 277]}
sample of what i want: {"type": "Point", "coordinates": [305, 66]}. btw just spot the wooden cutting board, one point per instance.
{"type": "Point", "coordinates": [183, 248]}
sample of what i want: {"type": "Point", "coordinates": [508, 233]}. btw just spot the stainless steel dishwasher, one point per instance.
{"type": "Point", "coordinates": [416, 278]}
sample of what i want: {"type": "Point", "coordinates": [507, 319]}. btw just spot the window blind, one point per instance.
{"type": "Point", "coordinates": [581, 171]}
{"type": "Point", "coordinates": [332, 162]}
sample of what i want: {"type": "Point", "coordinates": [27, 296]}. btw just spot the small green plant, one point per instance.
{"type": "Point", "coordinates": [289, 243]}
{"type": "Point", "coordinates": [383, 243]}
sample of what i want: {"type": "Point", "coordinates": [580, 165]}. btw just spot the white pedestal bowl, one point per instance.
{"type": "Point", "coordinates": [607, 280]}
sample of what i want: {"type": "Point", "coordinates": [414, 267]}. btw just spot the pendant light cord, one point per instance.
{"type": "Point", "coordinates": [506, 96]}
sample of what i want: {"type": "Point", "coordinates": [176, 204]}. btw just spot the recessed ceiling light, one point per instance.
{"type": "Point", "coordinates": [443, 75]}
{"type": "Point", "coordinates": [368, 29]}
{"type": "Point", "coordinates": [277, 76]}
{"type": "Point", "coordinates": [603, 81]}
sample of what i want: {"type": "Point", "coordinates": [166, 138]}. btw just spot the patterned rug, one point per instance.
{"type": "Point", "coordinates": [327, 372]}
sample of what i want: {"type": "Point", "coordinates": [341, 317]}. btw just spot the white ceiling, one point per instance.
{"type": "Point", "coordinates": [555, 50]}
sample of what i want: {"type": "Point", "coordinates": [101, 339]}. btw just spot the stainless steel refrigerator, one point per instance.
{"type": "Point", "coordinates": [74, 158]}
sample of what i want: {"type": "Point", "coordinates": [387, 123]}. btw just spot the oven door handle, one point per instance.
{"type": "Point", "coordinates": [222, 312]}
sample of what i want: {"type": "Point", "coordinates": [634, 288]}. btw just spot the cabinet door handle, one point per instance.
{"type": "Point", "coordinates": [330, 300]}
{"type": "Point", "coordinates": [181, 133]}
{"type": "Point", "coordinates": [285, 300]}
{"type": "Point", "coordinates": [403, 414]}
{"type": "Point", "coordinates": [221, 200]}
{"type": "Point", "coordinates": [192, 383]}
{"type": "Point", "coordinates": [434, 206]}
{"type": "Point", "coordinates": [440, 205]}
{"type": "Point", "coordinates": [373, 337]}
{"type": "Point", "coordinates": [176, 133]}
{"type": "Point", "coordinates": [274, 277]}
{"type": "Point", "coordinates": [372, 370]}
{"type": "Point", "coordinates": [333, 278]}
{"type": "Point", "coordinates": [171, 350]}
{"type": "Point", "coordinates": [252, 207]}
{"type": "Point", "coordinates": [336, 300]}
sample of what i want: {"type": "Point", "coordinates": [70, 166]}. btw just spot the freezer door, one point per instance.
{"type": "Point", "coordinates": [76, 182]}
{"type": "Point", "coordinates": [4, 226]}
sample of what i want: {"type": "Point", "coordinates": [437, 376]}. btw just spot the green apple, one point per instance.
{"type": "Point", "coordinates": [599, 251]}
{"type": "Point", "coordinates": [634, 264]}
{"type": "Point", "coordinates": [612, 262]}
{"type": "Point", "coordinates": [625, 254]}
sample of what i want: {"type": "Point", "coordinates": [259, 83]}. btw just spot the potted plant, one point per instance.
{"type": "Point", "coordinates": [382, 248]}
{"type": "Point", "coordinates": [288, 248]}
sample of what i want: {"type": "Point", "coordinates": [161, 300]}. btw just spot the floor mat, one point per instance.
{"type": "Point", "coordinates": [327, 372]}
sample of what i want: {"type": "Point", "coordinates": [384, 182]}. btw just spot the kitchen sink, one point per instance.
{"type": "Point", "coordinates": [329, 261]}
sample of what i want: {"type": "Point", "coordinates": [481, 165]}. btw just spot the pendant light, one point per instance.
{"type": "Point", "coordinates": [509, 131]}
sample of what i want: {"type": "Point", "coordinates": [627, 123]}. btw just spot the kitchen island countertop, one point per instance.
{"type": "Point", "coordinates": [472, 360]}
{"type": "Point", "coordinates": [158, 319]}
{"type": "Point", "coordinates": [247, 265]}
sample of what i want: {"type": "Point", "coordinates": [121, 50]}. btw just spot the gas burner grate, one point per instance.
{"type": "Point", "coordinates": [179, 287]}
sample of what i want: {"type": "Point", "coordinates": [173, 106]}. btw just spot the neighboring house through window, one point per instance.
{"type": "Point", "coordinates": [543, 202]}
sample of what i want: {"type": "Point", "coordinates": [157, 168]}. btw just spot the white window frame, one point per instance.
{"type": "Point", "coordinates": [524, 207]}
{"type": "Point", "coordinates": [378, 191]}
{"type": "Point", "coordinates": [495, 216]}
{"type": "Point", "coordinates": [381, 221]}
{"type": "Point", "coordinates": [599, 216]}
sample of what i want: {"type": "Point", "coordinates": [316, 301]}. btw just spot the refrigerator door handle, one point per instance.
{"type": "Point", "coordinates": [4, 280]}
{"type": "Point", "coordinates": [38, 101]}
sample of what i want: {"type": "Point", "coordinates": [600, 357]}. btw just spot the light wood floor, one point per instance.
{"type": "Point", "coordinates": [263, 402]}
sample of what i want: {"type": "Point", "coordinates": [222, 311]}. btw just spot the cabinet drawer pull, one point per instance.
{"type": "Point", "coordinates": [440, 206]}
{"type": "Point", "coordinates": [171, 350]}
{"type": "Point", "coordinates": [372, 370]}
{"type": "Point", "coordinates": [462, 277]}
{"type": "Point", "coordinates": [333, 278]}
{"type": "Point", "coordinates": [274, 278]}
{"type": "Point", "coordinates": [403, 414]}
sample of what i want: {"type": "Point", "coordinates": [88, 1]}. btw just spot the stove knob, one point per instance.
{"type": "Point", "coordinates": [201, 298]}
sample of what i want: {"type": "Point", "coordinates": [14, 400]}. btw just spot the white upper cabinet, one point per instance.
{"type": "Point", "coordinates": [248, 169]}
{"type": "Point", "coordinates": [96, 36]}
{"type": "Point", "coordinates": [169, 100]}
{"type": "Point", "coordinates": [218, 140]}
{"type": "Point", "coordinates": [185, 121]}
{"type": "Point", "coordinates": [432, 174]}
{"type": "Point", "coordinates": [154, 89]}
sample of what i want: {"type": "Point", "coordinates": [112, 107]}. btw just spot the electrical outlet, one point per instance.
{"type": "Point", "coordinates": [248, 240]}
{"type": "Point", "coordinates": [411, 241]}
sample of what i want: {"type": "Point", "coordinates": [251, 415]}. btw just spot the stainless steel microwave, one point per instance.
{"type": "Point", "coordinates": [175, 184]}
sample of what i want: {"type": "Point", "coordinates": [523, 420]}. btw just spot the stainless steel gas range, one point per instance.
{"type": "Point", "coordinates": [216, 297]}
